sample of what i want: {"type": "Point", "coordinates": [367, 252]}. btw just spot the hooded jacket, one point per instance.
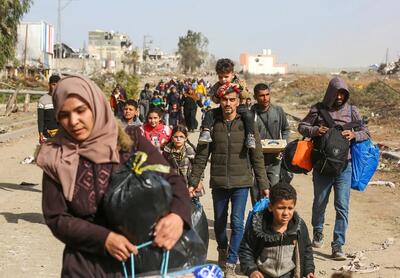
{"type": "Point", "coordinates": [274, 254]}
{"type": "Point", "coordinates": [341, 115]}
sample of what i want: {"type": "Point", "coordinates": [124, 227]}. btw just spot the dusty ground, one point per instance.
{"type": "Point", "coordinates": [28, 249]}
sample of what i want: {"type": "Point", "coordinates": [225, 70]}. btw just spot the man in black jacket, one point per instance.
{"type": "Point", "coordinates": [276, 244]}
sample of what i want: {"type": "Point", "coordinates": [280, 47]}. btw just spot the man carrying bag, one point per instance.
{"type": "Point", "coordinates": [331, 169]}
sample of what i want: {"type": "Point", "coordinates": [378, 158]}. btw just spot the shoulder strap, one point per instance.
{"type": "Point", "coordinates": [265, 124]}
{"type": "Point", "coordinates": [325, 115]}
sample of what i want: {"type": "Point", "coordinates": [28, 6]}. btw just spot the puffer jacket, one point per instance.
{"type": "Point", "coordinates": [274, 254]}
{"type": "Point", "coordinates": [232, 163]}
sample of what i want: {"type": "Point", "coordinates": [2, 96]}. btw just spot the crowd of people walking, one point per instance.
{"type": "Point", "coordinates": [88, 147]}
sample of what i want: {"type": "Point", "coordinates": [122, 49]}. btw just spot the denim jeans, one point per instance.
{"type": "Point", "coordinates": [322, 189]}
{"type": "Point", "coordinates": [238, 199]}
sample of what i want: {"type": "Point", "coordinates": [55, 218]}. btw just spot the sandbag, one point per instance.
{"type": "Point", "coordinates": [137, 197]}
{"type": "Point", "coordinates": [364, 160]}
{"type": "Point", "coordinates": [199, 221]}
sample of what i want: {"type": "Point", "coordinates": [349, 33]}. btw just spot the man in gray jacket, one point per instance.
{"type": "Point", "coordinates": [272, 124]}
{"type": "Point", "coordinates": [232, 166]}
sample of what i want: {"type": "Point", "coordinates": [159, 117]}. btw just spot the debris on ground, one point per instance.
{"type": "Point", "coordinates": [356, 264]}
{"type": "Point", "coordinates": [385, 183]}
{"type": "Point", "coordinates": [391, 155]}
{"type": "Point", "coordinates": [322, 272]}
{"type": "Point", "coordinates": [3, 129]}
{"type": "Point", "coordinates": [24, 183]}
{"type": "Point", "coordinates": [28, 160]}
{"type": "Point", "coordinates": [388, 242]}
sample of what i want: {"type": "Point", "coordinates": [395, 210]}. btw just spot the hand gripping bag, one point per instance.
{"type": "Point", "coordinates": [259, 206]}
{"type": "Point", "coordinates": [364, 160]}
{"type": "Point", "coordinates": [135, 200]}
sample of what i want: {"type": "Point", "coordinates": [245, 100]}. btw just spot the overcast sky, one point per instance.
{"type": "Point", "coordinates": [338, 33]}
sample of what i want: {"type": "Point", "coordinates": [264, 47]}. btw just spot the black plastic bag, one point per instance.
{"type": "Point", "coordinates": [189, 251]}
{"type": "Point", "coordinates": [135, 200]}
{"type": "Point", "coordinates": [199, 221]}
{"type": "Point", "coordinates": [133, 203]}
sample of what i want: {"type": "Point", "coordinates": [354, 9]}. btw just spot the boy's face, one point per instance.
{"type": "Point", "coordinates": [282, 211]}
{"type": "Point", "coordinates": [225, 77]}
{"type": "Point", "coordinates": [129, 112]}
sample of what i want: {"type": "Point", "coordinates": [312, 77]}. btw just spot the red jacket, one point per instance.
{"type": "Point", "coordinates": [158, 136]}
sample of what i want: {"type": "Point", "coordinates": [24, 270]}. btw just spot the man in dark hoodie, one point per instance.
{"type": "Point", "coordinates": [313, 125]}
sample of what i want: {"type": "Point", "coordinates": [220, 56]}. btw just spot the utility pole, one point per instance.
{"type": "Point", "coordinates": [59, 43]}
{"type": "Point", "coordinates": [25, 48]}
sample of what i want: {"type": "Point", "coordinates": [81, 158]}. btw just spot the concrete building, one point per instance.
{"type": "Point", "coordinates": [35, 44]}
{"type": "Point", "coordinates": [264, 63]}
{"type": "Point", "coordinates": [109, 48]}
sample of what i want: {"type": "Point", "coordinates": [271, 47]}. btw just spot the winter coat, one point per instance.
{"type": "Point", "coordinates": [158, 136]}
{"type": "Point", "coordinates": [181, 161]}
{"type": "Point", "coordinates": [273, 124]}
{"type": "Point", "coordinates": [81, 225]}
{"type": "Point", "coordinates": [274, 254]}
{"type": "Point", "coordinates": [232, 163]}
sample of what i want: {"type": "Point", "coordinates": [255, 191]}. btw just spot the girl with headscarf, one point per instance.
{"type": "Point", "coordinates": [77, 166]}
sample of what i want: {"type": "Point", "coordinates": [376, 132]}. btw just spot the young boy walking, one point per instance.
{"type": "Point", "coordinates": [276, 244]}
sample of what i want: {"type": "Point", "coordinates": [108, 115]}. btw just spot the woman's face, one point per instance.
{"type": "Point", "coordinates": [76, 118]}
{"type": "Point", "coordinates": [153, 119]}
{"type": "Point", "coordinates": [178, 139]}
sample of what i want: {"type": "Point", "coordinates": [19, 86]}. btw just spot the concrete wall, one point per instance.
{"type": "Point", "coordinates": [261, 64]}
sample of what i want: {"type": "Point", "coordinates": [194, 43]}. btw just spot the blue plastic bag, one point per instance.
{"type": "Point", "coordinates": [364, 160]}
{"type": "Point", "coordinates": [258, 206]}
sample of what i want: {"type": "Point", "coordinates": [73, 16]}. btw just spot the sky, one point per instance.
{"type": "Point", "coordinates": [309, 33]}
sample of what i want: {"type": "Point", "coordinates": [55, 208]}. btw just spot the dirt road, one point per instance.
{"type": "Point", "coordinates": [28, 249]}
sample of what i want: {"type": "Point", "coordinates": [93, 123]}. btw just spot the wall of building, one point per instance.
{"type": "Point", "coordinates": [264, 65]}
{"type": "Point", "coordinates": [36, 39]}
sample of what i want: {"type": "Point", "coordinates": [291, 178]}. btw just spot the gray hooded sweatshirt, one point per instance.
{"type": "Point", "coordinates": [346, 113]}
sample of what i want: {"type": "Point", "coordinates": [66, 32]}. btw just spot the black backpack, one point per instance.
{"type": "Point", "coordinates": [330, 154]}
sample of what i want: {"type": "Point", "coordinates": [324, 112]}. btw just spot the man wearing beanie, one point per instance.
{"type": "Point", "coordinates": [47, 123]}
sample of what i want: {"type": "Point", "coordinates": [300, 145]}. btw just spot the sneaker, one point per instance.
{"type": "Point", "coordinates": [205, 137]}
{"type": "Point", "coordinates": [338, 254]}
{"type": "Point", "coordinates": [230, 271]}
{"type": "Point", "coordinates": [222, 256]}
{"type": "Point", "coordinates": [250, 141]}
{"type": "Point", "coordinates": [318, 240]}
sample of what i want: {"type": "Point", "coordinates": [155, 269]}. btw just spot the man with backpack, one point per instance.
{"type": "Point", "coordinates": [334, 125]}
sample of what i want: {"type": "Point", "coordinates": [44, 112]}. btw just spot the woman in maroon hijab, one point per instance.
{"type": "Point", "coordinates": [77, 166]}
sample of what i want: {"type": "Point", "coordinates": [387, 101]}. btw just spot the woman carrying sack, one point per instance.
{"type": "Point", "coordinates": [77, 167]}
